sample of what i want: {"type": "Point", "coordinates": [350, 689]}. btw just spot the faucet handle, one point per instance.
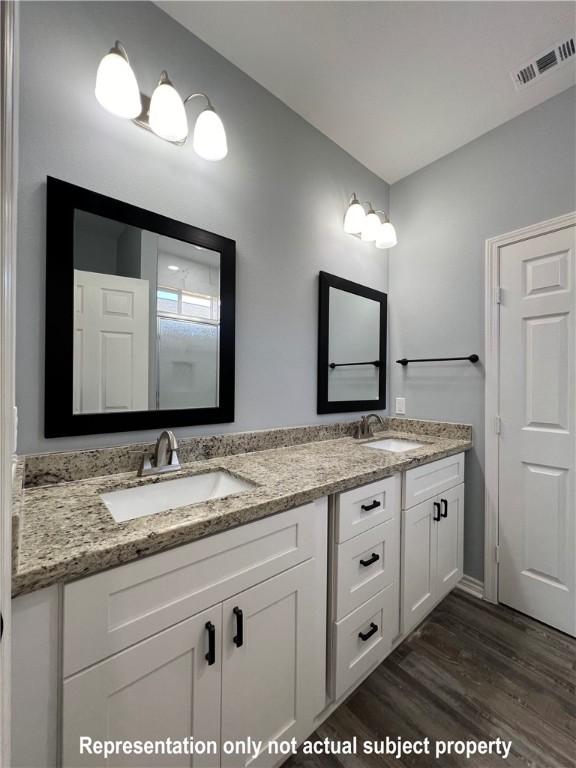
{"type": "Point", "coordinates": [171, 437]}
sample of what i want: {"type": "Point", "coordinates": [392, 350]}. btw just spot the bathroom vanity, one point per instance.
{"type": "Point", "coordinates": [231, 630]}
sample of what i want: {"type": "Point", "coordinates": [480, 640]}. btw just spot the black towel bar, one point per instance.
{"type": "Point", "coordinates": [404, 361]}
{"type": "Point", "coordinates": [375, 363]}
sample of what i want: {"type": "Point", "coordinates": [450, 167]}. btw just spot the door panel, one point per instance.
{"type": "Point", "coordinates": [268, 682]}
{"type": "Point", "coordinates": [450, 540]}
{"type": "Point", "coordinates": [418, 563]}
{"type": "Point", "coordinates": [537, 409]}
{"type": "Point", "coordinates": [111, 328]}
{"type": "Point", "coordinates": [162, 687]}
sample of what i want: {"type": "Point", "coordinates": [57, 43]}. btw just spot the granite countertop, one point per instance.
{"type": "Point", "coordinates": [66, 531]}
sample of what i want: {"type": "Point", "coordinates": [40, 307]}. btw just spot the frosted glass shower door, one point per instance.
{"type": "Point", "coordinates": [188, 357]}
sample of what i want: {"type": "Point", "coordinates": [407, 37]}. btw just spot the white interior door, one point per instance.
{"type": "Point", "coordinates": [537, 406]}
{"type": "Point", "coordinates": [110, 343]}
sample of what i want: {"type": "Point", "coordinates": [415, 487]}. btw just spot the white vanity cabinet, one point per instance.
{"type": "Point", "coordinates": [364, 606]}
{"type": "Point", "coordinates": [432, 536]}
{"type": "Point", "coordinates": [250, 661]}
{"type": "Point", "coordinates": [257, 632]}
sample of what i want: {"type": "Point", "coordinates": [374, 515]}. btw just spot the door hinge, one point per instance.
{"type": "Point", "coordinates": [497, 553]}
{"type": "Point", "coordinates": [498, 295]}
{"type": "Point", "coordinates": [497, 424]}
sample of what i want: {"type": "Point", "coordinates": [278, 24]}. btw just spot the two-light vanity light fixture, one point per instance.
{"type": "Point", "coordinates": [363, 221]}
{"type": "Point", "coordinates": [165, 113]}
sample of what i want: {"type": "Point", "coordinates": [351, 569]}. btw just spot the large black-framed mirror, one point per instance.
{"type": "Point", "coordinates": [140, 318]}
{"type": "Point", "coordinates": [352, 327]}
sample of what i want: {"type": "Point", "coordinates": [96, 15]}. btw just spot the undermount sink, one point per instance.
{"type": "Point", "coordinates": [145, 500]}
{"type": "Point", "coordinates": [394, 444]}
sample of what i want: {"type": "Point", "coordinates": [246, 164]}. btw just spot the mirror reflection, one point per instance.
{"type": "Point", "coordinates": [352, 327]}
{"type": "Point", "coordinates": [353, 347]}
{"type": "Point", "coordinates": [147, 319]}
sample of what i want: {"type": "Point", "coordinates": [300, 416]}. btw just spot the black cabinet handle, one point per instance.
{"type": "Point", "coordinates": [367, 635]}
{"type": "Point", "coordinates": [211, 655]}
{"type": "Point", "coordinates": [238, 638]}
{"type": "Point", "coordinates": [371, 560]}
{"type": "Point", "coordinates": [444, 503]}
{"type": "Point", "coordinates": [368, 507]}
{"type": "Point", "coordinates": [436, 516]}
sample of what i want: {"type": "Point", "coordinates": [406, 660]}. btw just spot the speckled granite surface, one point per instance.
{"type": "Point", "coordinates": [66, 532]}
{"type": "Point", "coordinates": [17, 501]}
{"type": "Point", "coordinates": [46, 468]}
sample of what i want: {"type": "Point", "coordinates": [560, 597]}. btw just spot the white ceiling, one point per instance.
{"type": "Point", "coordinates": [396, 84]}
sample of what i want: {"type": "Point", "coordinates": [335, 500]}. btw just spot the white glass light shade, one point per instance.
{"type": "Point", "coordinates": [209, 140]}
{"type": "Point", "coordinates": [116, 86]}
{"type": "Point", "coordinates": [386, 237]}
{"type": "Point", "coordinates": [167, 113]}
{"type": "Point", "coordinates": [370, 227]}
{"type": "Point", "coordinates": [354, 219]}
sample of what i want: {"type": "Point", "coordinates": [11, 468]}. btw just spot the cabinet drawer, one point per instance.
{"type": "Point", "coordinates": [354, 656]}
{"type": "Point", "coordinates": [422, 483]}
{"type": "Point", "coordinates": [110, 611]}
{"type": "Point", "coordinates": [363, 508]}
{"type": "Point", "coordinates": [366, 565]}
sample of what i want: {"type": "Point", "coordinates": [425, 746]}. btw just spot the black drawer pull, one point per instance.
{"type": "Point", "coordinates": [211, 655]}
{"type": "Point", "coordinates": [368, 507]}
{"type": "Point", "coordinates": [238, 638]}
{"type": "Point", "coordinates": [371, 560]}
{"type": "Point", "coordinates": [444, 503]}
{"type": "Point", "coordinates": [367, 635]}
{"type": "Point", "coordinates": [436, 516]}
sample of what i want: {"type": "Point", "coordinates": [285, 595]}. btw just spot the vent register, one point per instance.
{"type": "Point", "coordinates": [546, 62]}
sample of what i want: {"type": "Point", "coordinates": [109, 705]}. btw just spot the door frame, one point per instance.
{"type": "Point", "coordinates": [492, 389]}
{"type": "Point", "coordinates": [8, 176]}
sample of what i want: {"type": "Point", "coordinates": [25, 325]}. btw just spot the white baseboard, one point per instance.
{"type": "Point", "coordinates": [472, 586]}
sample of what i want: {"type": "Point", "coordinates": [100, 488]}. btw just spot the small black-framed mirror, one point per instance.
{"type": "Point", "coordinates": [140, 318]}
{"type": "Point", "coordinates": [352, 327]}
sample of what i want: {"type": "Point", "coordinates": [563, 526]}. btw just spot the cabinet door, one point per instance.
{"type": "Point", "coordinates": [271, 653]}
{"type": "Point", "coordinates": [418, 562]}
{"type": "Point", "coordinates": [450, 537]}
{"type": "Point", "coordinates": [162, 687]}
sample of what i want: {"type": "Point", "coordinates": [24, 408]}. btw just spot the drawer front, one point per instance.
{"type": "Point", "coordinates": [422, 483]}
{"type": "Point", "coordinates": [366, 565]}
{"type": "Point", "coordinates": [363, 508]}
{"type": "Point", "coordinates": [110, 611]}
{"type": "Point", "coordinates": [363, 639]}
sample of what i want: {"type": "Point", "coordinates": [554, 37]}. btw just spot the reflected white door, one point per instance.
{"type": "Point", "coordinates": [110, 343]}
{"type": "Point", "coordinates": [537, 407]}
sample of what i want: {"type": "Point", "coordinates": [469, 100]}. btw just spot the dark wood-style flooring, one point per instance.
{"type": "Point", "coordinates": [471, 671]}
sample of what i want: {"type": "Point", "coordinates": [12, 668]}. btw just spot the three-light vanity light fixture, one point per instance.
{"type": "Point", "coordinates": [369, 225]}
{"type": "Point", "coordinates": [164, 113]}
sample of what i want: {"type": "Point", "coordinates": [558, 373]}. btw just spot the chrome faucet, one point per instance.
{"type": "Point", "coordinates": [165, 458]}
{"type": "Point", "coordinates": [364, 428]}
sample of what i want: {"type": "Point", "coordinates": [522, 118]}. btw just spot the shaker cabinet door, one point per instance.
{"type": "Point", "coordinates": [272, 648]}
{"type": "Point", "coordinates": [450, 532]}
{"type": "Point", "coordinates": [418, 562]}
{"type": "Point", "coordinates": [166, 686]}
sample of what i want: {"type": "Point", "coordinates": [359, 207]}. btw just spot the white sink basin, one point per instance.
{"type": "Point", "coordinates": [394, 444]}
{"type": "Point", "coordinates": [170, 494]}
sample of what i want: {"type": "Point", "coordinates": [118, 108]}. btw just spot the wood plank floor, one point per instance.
{"type": "Point", "coordinates": [472, 671]}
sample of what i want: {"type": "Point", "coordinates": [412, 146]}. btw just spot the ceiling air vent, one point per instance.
{"type": "Point", "coordinates": [553, 58]}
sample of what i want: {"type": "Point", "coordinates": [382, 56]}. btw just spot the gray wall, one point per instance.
{"type": "Point", "coordinates": [518, 174]}
{"type": "Point", "coordinates": [281, 194]}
